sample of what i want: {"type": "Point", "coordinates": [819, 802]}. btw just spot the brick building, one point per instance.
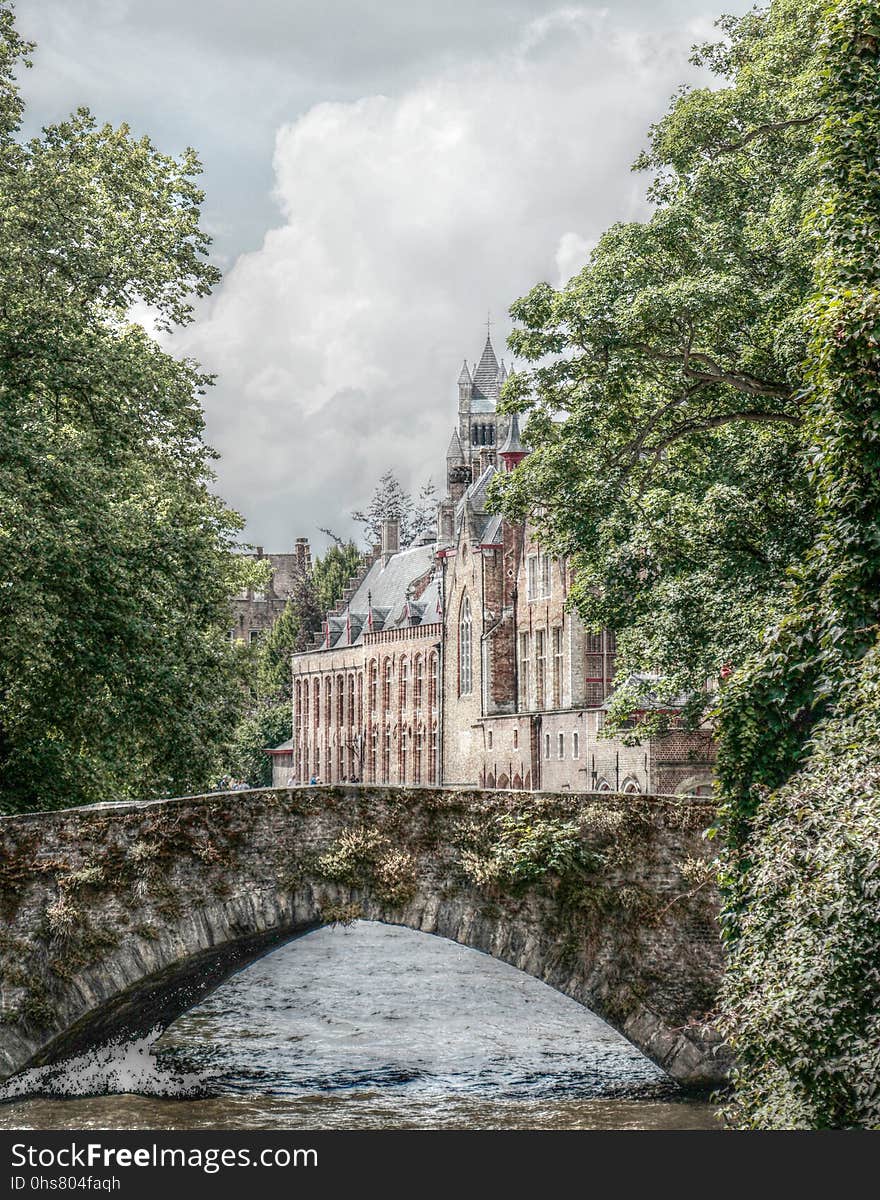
{"type": "Point", "coordinates": [456, 660]}
{"type": "Point", "coordinates": [254, 613]}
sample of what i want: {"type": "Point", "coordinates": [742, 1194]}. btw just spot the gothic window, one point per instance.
{"type": "Point", "coordinates": [340, 762]}
{"type": "Point", "coordinates": [575, 744]}
{"type": "Point", "coordinates": [515, 739]}
{"type": "Point", "coordinates": [465, 648]}
{"type": "Point", "coordinates": [557, 667]}
{"type": "Point", "coordinates": [491, 435]}
{"type": "Point", "coordinates": [328, 702]}
{"type": "Point", "coordinates": [340, 700]}
{"type": "Point", "coordinates": [540, 667]}
{"type": "Point", "coordinates": [418, 753]}
{"type": "Point", "coordinates": [532, 577]}
{"type": "Point", "coordinates": [433, 684]}
{"type": "Point", "coordinates": [603, 786]}
{"type": "Point", "coordinates": [475, 436]}
{"type": "Point", "coordinates": [404, 746]}
{"type": "Point", "coordinates": [304, 711]}
{"type": "Point", "coordinates": [404, 684]}
{"type": "Point", "coordinates": [524, 668]}
{"type": "Point", "coordinates": [386, 756]}
{"type": "Point", "coordinates": [434, 766]}
{"type": "Point", "coordinates": [351, 702]}
{"type": "Point", "coordinates": [546, 745]}
{"type": "Point", "coordinates": [418, 682]}
{"type": "Point", "coordinates": [545, 575]}
{"type": "Point", "coordinates": [560, 745]}
{"type": "Point", "coordinates": [631, 785]}
{"type": "Point", "coordinates": [386, 684]}
{"type": "Point", "coordinates": [316, 701]}
{"type": "Point", "coordinates": [374, 756]}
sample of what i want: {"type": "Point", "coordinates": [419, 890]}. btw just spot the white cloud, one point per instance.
{"type": "Point", "coordinates": [406, 218]}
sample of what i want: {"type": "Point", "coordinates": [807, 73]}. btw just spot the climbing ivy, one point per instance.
{"type": "Point", "coordinates": [800, 752]}
{"type": "Point", "coordinates": [769, 710]}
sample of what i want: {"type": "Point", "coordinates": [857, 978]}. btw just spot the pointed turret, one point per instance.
{"type": "Point", "coordinates": [513, 451]}
{"type": "Point", "coordinates": [465, 385]}
{"type": "Point", "coordinates": [454, 453]}
{"type": "Point", "coordinates": [486, 374]}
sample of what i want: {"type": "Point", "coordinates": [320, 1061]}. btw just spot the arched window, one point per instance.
{"type": "Point", "coordinates": [603, 786]}
{"type": "Point", "coordinates": [386, 756]}
{"type": "Point", "coordinates": [631, 785]}
{"type": "Point", "coordinates": [418, 682]}
{"type": "Point", "coordinates": [465, 649]}
{"type": "Point", "coordinates": [433, 682]}
{"type": "Point", "coordinates": [374, 756]}
{"type": "Point", "coordinates": [316, 701]}
{"type": "Point", "coordinates": [386, 684]}
{"type": "Point", "coordinates": [575, 744]}
{"type": "Point", "coordinates": [340, 700]}
{"type": "Point", "coordinates": [351, 701]}
{"type": "Point", "coordinates": [404, 684]}
{"type": "Point", "coordinates": [374, 686]}
{"type": "Point", "coordinates": [418, 753]}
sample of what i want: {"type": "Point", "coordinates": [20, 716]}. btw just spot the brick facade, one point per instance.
{"type": "Point", "coordinates": [459, 662]}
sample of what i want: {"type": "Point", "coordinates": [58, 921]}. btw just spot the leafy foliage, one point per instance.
{"type": "Point", "coordinates": [801, 863]}
{"type": "Point", "coordinates": [802, 992]}
{"type": "Point", "coordinates": [333, 572]}
{"type": "Point", "coordinates": [117, 561]}
{"type": "Point", "coordinates": [391, 502]}
{"type": "Point", "coordinates": [664, 383]}
{"type": "Point", "coordinates": [265, 724]}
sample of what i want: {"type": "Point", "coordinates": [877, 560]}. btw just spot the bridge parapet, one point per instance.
{"type": "Point", "coordinates": [119, 917]}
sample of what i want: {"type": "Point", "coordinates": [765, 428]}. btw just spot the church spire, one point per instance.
{"type": "Point", "coordinates": [486, 374]}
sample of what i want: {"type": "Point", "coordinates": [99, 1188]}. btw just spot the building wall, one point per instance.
{"type": "Point", "coordinates": [254, 613]}
{"type": "Point", "coordinates": [369, 712]}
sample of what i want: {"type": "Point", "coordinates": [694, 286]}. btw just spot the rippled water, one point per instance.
{"type": "Point", "coordinates": [369, 1027]}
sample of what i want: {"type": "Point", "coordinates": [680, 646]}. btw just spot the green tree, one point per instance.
{"type": "Point", "coordinates": [664, 382]}
{"type": "Point", "coordinates": [802, 864]}
{"type": "Point", "coordinates": [333, 572]}
{"type": "Point", "coordinates": [390, 502]}
{"type": "Point", "coordinates": [117, 562]}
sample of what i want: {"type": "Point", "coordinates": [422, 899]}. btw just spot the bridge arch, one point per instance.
{"type": "Point", "coordinates": [120, 917]}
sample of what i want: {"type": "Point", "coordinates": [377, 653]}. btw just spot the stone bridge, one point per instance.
{"type": "Point", "coordinates": [117, 918]}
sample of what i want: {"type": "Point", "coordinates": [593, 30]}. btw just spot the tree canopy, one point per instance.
{"type": "Point", "coordinates": [664, 382]}
{"type": "Point", "coordinates": [390, 502]}
{"type": "Point", "coordinates": [118, 562]}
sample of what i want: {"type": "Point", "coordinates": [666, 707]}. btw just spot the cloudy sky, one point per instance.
{"type": "Point", "coordinates": [380, 175]}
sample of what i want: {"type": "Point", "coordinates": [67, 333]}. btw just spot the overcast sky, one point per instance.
{"type": "Point", "coordinates": [380, 174]}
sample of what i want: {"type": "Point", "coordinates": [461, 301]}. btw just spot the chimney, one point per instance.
{"type": "Point", "coordinates": [303, 555]}
{"type": "Point", "coordinates": [390, 537]}
{"type": "Point", "coordinates": [486, 457]}
{"type": "Point", "coordinates": [259, 551]}
{"type": "Point", "coordinates": [459, 479]}
{"type": "Point", "coordinates": [446, 521]}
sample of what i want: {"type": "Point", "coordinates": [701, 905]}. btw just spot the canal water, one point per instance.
{"type": "Point", "coordinates": [365, 1027]}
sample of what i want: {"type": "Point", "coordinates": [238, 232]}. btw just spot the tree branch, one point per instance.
{"type": "Point", "coordinates": [700, 425]}
{"type": "Point", "coordinates": [761, 130]}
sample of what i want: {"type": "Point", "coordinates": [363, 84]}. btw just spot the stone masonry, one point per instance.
{"type": "Point", "coordinates": [117, 918]}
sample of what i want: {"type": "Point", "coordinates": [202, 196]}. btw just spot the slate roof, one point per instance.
{"type": "Point", "coordinates": [381, 600]}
